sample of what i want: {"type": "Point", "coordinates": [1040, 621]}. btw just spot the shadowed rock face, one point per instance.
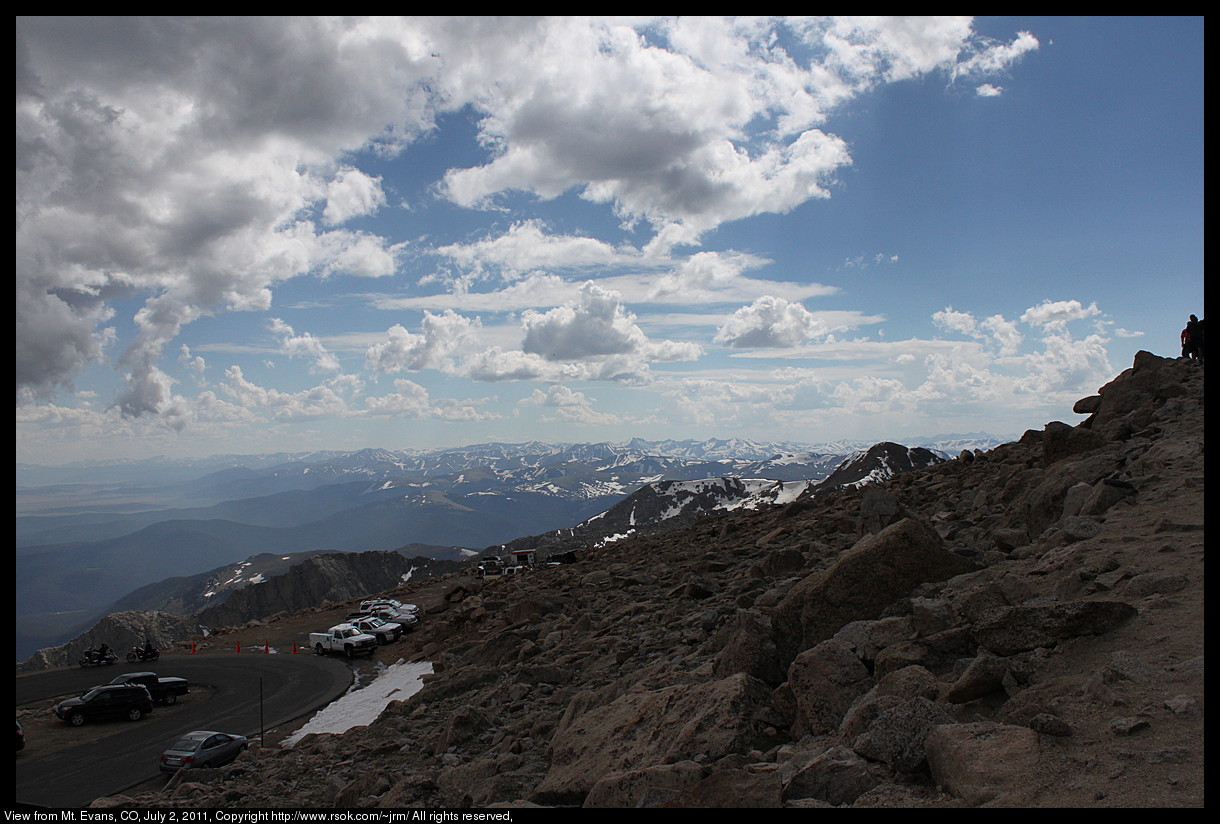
{"type": "Point", "coordinates": [1009, 630]}
{"type": "Point", "coordinates": [334, 576]}
{"type": "Point", "coordinates": [984, 648]}
{"type": "Point", "coordinates": [863, 582]}
{"type": "Point", "coordinates": [673, 724]}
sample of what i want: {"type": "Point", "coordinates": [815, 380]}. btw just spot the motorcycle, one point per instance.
{"type": "Point", "coordinates": [139, 654]}
{"type": "Point", "coordinates": [96, 658]}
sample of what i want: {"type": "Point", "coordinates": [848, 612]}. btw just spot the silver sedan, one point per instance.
{"type": "Point", "coordinates": [202, 748]}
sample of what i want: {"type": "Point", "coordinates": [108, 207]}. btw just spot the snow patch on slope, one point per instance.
{"type": "Point", "coordinates": [362, 706]}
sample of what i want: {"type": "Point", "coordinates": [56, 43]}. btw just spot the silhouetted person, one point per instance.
{"type": "Point", "coordinates": [1192, 339]}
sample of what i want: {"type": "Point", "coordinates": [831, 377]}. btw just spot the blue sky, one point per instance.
{"type": "Point", "coordinates": [254, 235]}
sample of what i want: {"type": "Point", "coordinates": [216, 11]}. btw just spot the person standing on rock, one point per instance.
{"type": "Point", "coordinates": [1192, 339]}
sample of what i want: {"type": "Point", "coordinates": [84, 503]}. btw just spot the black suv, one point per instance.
{"type": "Point", "coordinates": [131, 701]}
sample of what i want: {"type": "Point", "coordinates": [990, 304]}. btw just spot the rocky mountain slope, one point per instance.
{"type": "Point", "coordinates": [879, 462]}
{"type": "Point", "coordinates": [1018, 627]}
{"type": "Point", "coordinates": [189, 594]}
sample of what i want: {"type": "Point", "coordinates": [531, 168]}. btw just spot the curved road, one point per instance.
{"type": "Point", "coordinates": [291, 686]}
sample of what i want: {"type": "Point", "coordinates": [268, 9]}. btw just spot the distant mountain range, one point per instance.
{"type": "Point", "coordinates": [666, 505]}
{"type": "Point", "coordinates": [89, 534]}
{"type": "Point", "coordinates": [167, 477]}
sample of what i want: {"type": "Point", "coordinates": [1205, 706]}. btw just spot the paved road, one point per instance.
{"type": "Point", "coordinates": [227, 699]}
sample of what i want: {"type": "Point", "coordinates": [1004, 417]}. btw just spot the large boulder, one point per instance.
{"type": "Point", "coordinates": [1060, 441]}
{"type": "Point", "coordinates": [878, 509]}
{"type": "Point", "coordinates": [837, 776]}
{"type": "Point", "coordinates": [825, 682]}
{"type": "Point", "coordinates": [896, 736]}
{"type": "Point", "coordinates": [1130, 400]}
{"type": "Point", "coordinates": [665, 726]}
{"type": "Point", "coordinates": [749, 648]}
{"type": "Point", "coordinates": [982, 761]}
{"type": "Point", "coordinates": [634, 788]}
{"type": "Point", "coordinates": [865, 580]}
{"type": "Point", "coordinates": [1043, 505]}
{"type": "Point", "coordinates": [983, 675]}
{"type": "Point", "coordinates": [1009, 630]}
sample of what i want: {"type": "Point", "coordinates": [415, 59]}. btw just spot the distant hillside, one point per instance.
{"type": "Point", "coordinates": [187, 595]}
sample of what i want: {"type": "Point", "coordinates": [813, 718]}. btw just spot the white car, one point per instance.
{"type": "Point", "coordinates": [203, 748]}
{"type": "Point", "coordinates": [406, 620]}
{"type": "Point", "coordinates": [386, 632]}
{"type": "Point", "coordinates": [397, 606]}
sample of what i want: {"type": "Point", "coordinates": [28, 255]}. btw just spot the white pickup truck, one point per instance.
{"type": "Point", "coordinates": [343, 638]}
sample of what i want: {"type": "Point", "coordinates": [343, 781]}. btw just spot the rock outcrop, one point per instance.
{"type": "Point", "coordinates": [987, 647]}
{"type": "Point", "coordinates": [120, 631]}
{"type": "Point", "coordinates": [862, 582]}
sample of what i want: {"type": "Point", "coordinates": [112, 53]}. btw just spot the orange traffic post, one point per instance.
{"type": "Point", "coordinates": [294, 647]}
{"type": "Point", "coordinates": [266, 646]}
{"type": "Point", "coordinates": [239, 646]}
{"type": "Point", "coordinates": [192, 647]}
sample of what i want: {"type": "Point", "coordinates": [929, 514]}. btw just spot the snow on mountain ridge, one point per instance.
{"type": "Point", "coordinates": [666, 503]}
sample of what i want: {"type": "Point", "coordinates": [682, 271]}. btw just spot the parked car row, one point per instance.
{"type": "Point", "coordinates": [376, 622]}
{"type": "Point", "coordinates": [389, 609]}
{"type": "Point", "coordinates": [132, 696]}
{"type": "Point", "coordinates": [386, 632]}
{"type": "Point", "coordinates": [163, 690]}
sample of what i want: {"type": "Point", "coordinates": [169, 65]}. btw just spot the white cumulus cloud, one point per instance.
{"type": "Point", "coordinates": [305, 345]}
{"type": "Point", "coordinates": [771, 322]}
{"type": "Point", "coordinates": [352, 193]}
{"type": "Point", "coordinates": [596, 326]}
{"type": "Point", "coordinates": [1055, 315]}
{"type": "Point", "coordinates": [440, 339]}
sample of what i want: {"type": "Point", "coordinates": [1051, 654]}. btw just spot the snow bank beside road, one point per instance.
{"type": "Point", "coordinates": [361, 707]}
